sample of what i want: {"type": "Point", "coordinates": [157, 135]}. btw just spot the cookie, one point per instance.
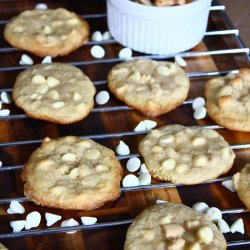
{"type": "Point", "coordinates": [241, 182]}
{"type": "Point", "coordinates": [72, 173]}
{"type": "Point", "coordinates": [174, 227]}
{"type": "Point", "coordinates": [228, 100]}
{"type": "Point", "coordinates": [186, 155]}
{"type": "Point", "coordinates": [152, 87]}
{"type": "Point", "coordinates": [47, 32]}
{"type": "Point", "coordinates": [55, 92]}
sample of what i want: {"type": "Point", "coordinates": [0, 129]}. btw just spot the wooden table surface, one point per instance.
{"type": "Point", "coordinates": [130, 203]}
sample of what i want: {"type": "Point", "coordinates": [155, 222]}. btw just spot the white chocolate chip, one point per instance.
{"type": "Point", "coordinates": [92, 154]}
{"type": "Point", "coordinates": [74, 173]}
{"type": "Point", "coordinates": [73, 21]}
{"type": "Point", "coordinates": [214, 213]}
{"type": "Point", "coordinates": [38, 79]}
{"type": "Point", "coordinates": [178, 244]}
{"type": "Point", "coordinates": [15, 208]}
{"type": "Point", "coordinates": [47, 59]}
{"type": "Point", "coordinates": [102, 97]}
{"type": "Point", "coordinates": [200, 160]}
{"type": "Point", "coordinates": [17, 225]}
{"type": "Point", "coordinates": [53, 94]}
{"type": "Point", "coordinates": [4, 112]}
{"type": "Point", "coordinates": [180, 61]}
{"type": "Point", "coordinates": [26, 60]}
{"type": "Point", "coordinates": [33, 219]}
{"type": "Point", "coordinates": [223, 226]}
{"type": "Point", "coordinates": [6, 98]}
{"type": "Point", "coordinates": [198, 103]}
{"type": "Point", "coordinates": [201, 207]}
{"type": "Point", "coordinates": [150, 124]}
{"type": "Point", "coordinates": [144, 179]}
{"type": "Point", "coordinates": [42, 89]}
{"type": "Point", "coordinates": [133, 164]}
{"type": "Point", "coordinates": [106, 35]}
{"type": "Point", "coordinates": [166, 139]}
{"type": "Point", "coordinates": [200, 113]}
{"type": "Point", "coordinates": [86, 220]}
{"type": "Point", "coordinates": [238, 226]}
{"type": "Point", "coordinates": [101, 168]}
{"type": "Point", "coordinates": [47, 30]}
{"type": "Point", "coordinates": [97, 51]}
{"type": "Point", "coordinates": [169, 164]}
{"type": "Point", "coordinates": [229, 185]}
{"type": "Point", "coordinates": [77, 96]}
{"type": "Point", "coordinates": [52, 81]}
{"type": "Point", "coordinates": [166, 219]}
{"type": "Point", "coordinates": [1, 164]}
{"type": "Point", "coordinates": [192, 224]}
{"type": "Point", "coordinates": [130, 180]}
{"type": "Point", "coordinates": [173, 230]}
{"type": "Point", "coordinates": [195, 246]}
{"type": "Point", "coordinates": [52, 218]}
{"type": "Point", "coordinates": [148, 235]}
{"type": "Point", "coordinates": [140, 127]}
{"type": "Point", "coordinates": [41, 6]}
{"type": "Point", "coordinates": [58, 105]}
{"type": "Point", "coordinates": [122, 149]}
{"type": "Point", "coordinates": [69, 157]}
{"type": "Point", "coordinates": [96, 36]}
{"type": "Point", "coordinates": [205, 234]}
{"type": "Point", "coordinates": [125, 53]}
{"type": "Point", "coordinates": [69, 223]}
{"type": "Point", "coordinates": [158, 202]}
{"type": "Point", "coordinates": [198, 141]}
{"type": "Point", "coordinates": [163, 70]}
{"type": "Point", "coordinates": [143, 168]}
{"type": "Point", "coordinates": [135, 76]}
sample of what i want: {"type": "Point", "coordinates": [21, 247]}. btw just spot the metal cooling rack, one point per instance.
{"type": "Point", "coordinates": [241, 49]}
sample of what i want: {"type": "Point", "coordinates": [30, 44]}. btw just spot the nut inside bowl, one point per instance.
{"type": "Point", "coordinates": [158, 30]}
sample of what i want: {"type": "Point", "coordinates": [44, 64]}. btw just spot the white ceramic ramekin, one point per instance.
{"type": "Point", "coordinates": [158, 30]}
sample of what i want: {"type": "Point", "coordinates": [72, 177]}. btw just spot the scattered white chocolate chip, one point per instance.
{"type": "Point", "coordinates": [47, 59]}
{"type": "Point", "coordinates": [17, 225]}
{"type": "Point", "coordinates": [168, 164]}
{"type": "Point", "coordinates": [158, 202]}
{"type": "Point", "coordinates": [195, 246]}
{"type": "Point", "coordinates": [52, 81]}
{"type": "Point", "coordinates": [201, 207]}
{"type": "Point", "coordinates": [166, 219]}
{"type": "Point", "coordinates": [173, 230]}
{"type": "Point", "coordinates": [41, 6]}
{"type": "Point", "coordinates": [130, 180]}
{"type": "Point", "coordinates": [122, 149]}
{"type": "Point", "coordinates": [15, 208]}
{"type": "Point", "coordinates": [38, 79]}
{"type": "Point", "coordinates": [106, 35]}
{"type": "Point", "coordinates": [33, 219]}
{"type": "Point", "coordinates": [198, 103]}
{"type": "Point", "coordinates": [47, 30]}
{"type": "Point", "coordinates": [125, 53]}
{"type": "Point", "coordinates": [58, 105]}
{"type": "Point", "coordinates": [148, 234]}
{"type": "Point", "coordinates": [97, 51]}
{"type": "Point", "coordinates": [150, 124]}
{"type": "Point", "coordinates": [69, 157]}
{"type": "Point", "coordinates": [52, 218]}
{"type": "Point", "coordinates": [166, 139]}
{"type": "Point", "coordinates": [205, 234]}
{"type": "Point", "coordinates": [133, 164]}
{"type": "Point", "coordinates": [69, 223]}
{"type": "Point", "coordinates": [4, 112]}
{"type": "Point", "coordinates": [238, 226]}
{"type": "Point", "coordinates": [198, 141]}
{"type": "Point", "coordinates": [214, 213]}
{"type": "Point", "coordinates": [88, 220]}
{"type": "Point", "coordinates": [163, 70]}
{"type": "Point", "coordinates": [200, 113]}
{"type": "Point", "coordinates": [229, 185]}
{"type": "Point", "coordinates": [223, 226]}
{"type": "Point", "coordinates": [96, 36]}
{"type": "Point", "coordinates": [144, 179]}
{"type": "Point", "coordinates": [102, 97]}
{"type": "Point", "coordinates": [26, 60]}
{"type": "Point", "coordinates": [140, 127]}
{"type": "Point", "coordinates": [6, 98]}
{"type": "Point", "coordinates": [177, 244]}
{"type": "Point", "coordinates": [143, 168]}
{"type": "Point", "coordinates": [200, 160]}
{"type": "Point", "coordinates": [179, 60]}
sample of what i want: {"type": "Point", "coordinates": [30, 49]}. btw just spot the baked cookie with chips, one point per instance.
{"type": "Point", "coordinates": [186, 155]}
{"type": "Point", "coordinates": [54, 92]}
{"type": "Point", "coordinates": [72, 173]}
{"type": "Point", "coordinates": [173, 226]}
{"type": "Point", "coordinates": [152, 87]}
{"type": "Point", "coordinates": [50, 32]}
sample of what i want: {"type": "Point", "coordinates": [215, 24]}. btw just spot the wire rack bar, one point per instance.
{"type": "Point", "coordinates": [159, 57]}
